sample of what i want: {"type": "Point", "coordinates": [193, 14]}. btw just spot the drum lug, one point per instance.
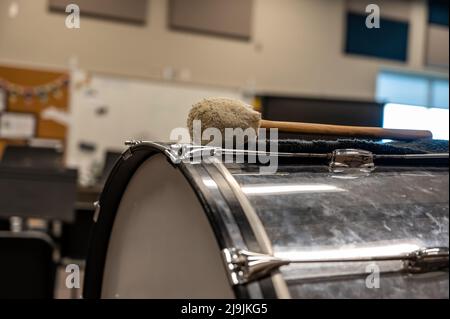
{"type": "Point", "coordinates": [245, 266]}
{"type": "Point", "coordinates": [351, 162]}
{"type": "Point", "coordinates": [427, 260]}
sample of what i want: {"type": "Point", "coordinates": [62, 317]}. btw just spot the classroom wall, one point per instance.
{"type": "Point", "coordinates": [296, 48]}
{"type": "Point", "coordinates": [106, 111]}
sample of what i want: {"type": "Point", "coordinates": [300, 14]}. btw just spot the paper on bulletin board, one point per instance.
{"type": "Point", "coordinates": [17, 125]}
{"type": "Point", "coordinates": [2, 100]}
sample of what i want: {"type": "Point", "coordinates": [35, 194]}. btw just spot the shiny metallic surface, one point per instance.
{"type": "Point", "coordinates": [308, 211]}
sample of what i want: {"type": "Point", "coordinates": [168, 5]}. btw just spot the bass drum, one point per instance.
{"type": "Point", "coordinates": [170, 227]}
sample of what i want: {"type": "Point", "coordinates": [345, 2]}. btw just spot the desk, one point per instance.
{"type": "Point", "coordinates": [47, 193]}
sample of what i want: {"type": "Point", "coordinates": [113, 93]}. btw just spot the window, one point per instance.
{"type": "Point", "coordinates": [417, 117]}
{"type": "Point", "coordinates": [415, 102]}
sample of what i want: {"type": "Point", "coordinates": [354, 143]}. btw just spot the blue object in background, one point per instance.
{"type": "Point", "coordinates": [390, 41]}
{"type": "Point", "coordinates": [438, 12]}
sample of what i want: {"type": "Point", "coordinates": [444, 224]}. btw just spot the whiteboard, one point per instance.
{"type": "Point", "coordinates": [133, 110]}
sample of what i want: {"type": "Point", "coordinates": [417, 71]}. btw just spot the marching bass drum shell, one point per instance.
{"type": "Point", "coordinates": [163, 224]}
{"type": "Point", "coordinates": [161, 244]}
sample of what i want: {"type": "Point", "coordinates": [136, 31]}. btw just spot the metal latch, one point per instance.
{"type": "Point", "coordinates": [245, 266]}
{"type": "Point", "coordinates": [96, 211]}
{"type": "Point", "coordinates": [132, 142]}
{"type": "Point", "coordinates": [191, 153]}
{"type": "Point", "coordinates": [351, 161]}
{"type": "Point", "coordinates": [427, 260]}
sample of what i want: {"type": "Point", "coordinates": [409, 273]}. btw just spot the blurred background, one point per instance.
{"type": "Point", "coordinates": [76, 82]}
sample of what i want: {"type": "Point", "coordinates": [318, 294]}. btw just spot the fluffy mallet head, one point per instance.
{"type": "Point", "coordinates": [221, 113]}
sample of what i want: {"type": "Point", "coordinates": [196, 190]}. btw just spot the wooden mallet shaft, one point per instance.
{"type": "Point", "coordinates": [347, 131]}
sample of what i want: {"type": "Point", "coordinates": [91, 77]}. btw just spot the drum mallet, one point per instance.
{"type": "Point", "coordinates": [224, 113]}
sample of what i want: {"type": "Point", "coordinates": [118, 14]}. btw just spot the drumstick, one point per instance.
{"type": "Point", "coordinates": [224, 113]}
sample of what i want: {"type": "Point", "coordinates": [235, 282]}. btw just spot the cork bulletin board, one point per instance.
{"type": "Point", "coordinates": [25, 94]}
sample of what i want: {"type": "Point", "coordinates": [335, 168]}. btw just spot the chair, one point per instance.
{"type": "Point", "coordinates": [27, 268]}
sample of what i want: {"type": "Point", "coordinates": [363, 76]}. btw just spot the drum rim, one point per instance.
{"type": "Point", "coordinates": [264, 287]}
